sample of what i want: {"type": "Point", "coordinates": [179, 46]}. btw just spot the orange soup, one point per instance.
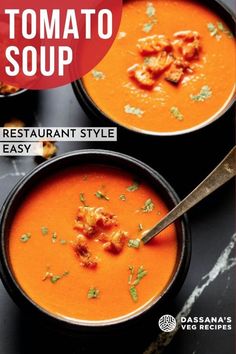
{"type": "Point", "coordinates": [171, 67]}
{"type": "Point", "coordinates": [75, 247]}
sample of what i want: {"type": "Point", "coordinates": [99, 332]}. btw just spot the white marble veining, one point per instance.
{"type": "Point", "coordinates": [224, 263]}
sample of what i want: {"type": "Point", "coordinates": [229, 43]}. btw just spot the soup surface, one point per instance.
{"type": "Point", "coordinates": [172, 67]}
{"type": "Point", "coordinates": [75, 244]}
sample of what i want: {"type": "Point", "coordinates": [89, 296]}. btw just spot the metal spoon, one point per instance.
{"type": "Point", "coordinates": [219, 176]}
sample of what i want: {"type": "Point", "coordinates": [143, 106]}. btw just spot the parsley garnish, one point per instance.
{"type": "Point", "coordinates": [122, 197]}
{"type": "Point", "coordinates": [214, 30]}
{"type": "Point", "coordinates": [176, 113]}
{"type": "Point", "coordinates": [82, 199]}
{"type": "Point", "coordinates": [141, 273]}
{"type": "Point", "coordinates": [220, 26]}
{"type": "Point", "coordinates": [63, 242]}
{"type": "Point", "coordinates": [133, 292]}
{"type": "Point", "coordinates": [224, 30]}
{"type": "Point", "coordinates": [147, 27]}
{"type": "Point", "coordinates": [44, 230]}
{"type": "Point", "coordinates": [133, 187]}
{"type": "Point", "coordinates": [98, 75]}
{"type": "Point", "coordinates": [54, 278]}
{"type": "Point", "coordinates": [131, 269]}
{"type": "Point", "coordinates": [25, 238]}
{"type": "Point", "coordinates": [151, 11]}
{"type": "Point", "coordinates": [54, 237]}
{"type": "Point", "coordinates": [148, 206]}
{"type": "Point", "coordinates": [133, 110]}
{"type": "Point", "coordinates": [101, 195]}
{"type": "Point", "coordinates": [203, 95]}
{"type": "Point", "coordinates": [93, 293]}
{"type": "Point", "coordinates": [140, 227]}
{"type": "Point", "coordinates": [134, 243]}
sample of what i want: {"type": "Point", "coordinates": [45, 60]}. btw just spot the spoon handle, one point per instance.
{"type": "Point", "coordinates": [219, 176]}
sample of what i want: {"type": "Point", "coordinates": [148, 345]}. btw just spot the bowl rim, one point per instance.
{"type": "Point", "coordinates": [9, 95]}
{"type": "Point", "coordinates": [90, 106]}
{"type": "Point", "coordinates": [20, 296]}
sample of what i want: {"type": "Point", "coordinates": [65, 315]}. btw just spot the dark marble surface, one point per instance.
{"type": "Point", "coordinates": [184, 162]}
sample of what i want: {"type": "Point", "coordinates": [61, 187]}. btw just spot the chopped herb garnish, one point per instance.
{"type": "Point", "coordinates": [131, 269]}
{"type": "Point", "coordinates": [133, 292]}
{"type": "Point", "coordinates": [85, 177]}
{"type": "Point", "coordinates": [54, 237]}
{"type": "Point", "coordinates": [101, 195]}
{"type": "Point", "coordinates": [54, 278]}
{"type": "Point", "coordinates": [63, 242]}
{"type": "Point", "coordinates": [133, 187]}
{"type": "Point", "coordinates": [140, 227]}
{"type": "Point", "coordinates": [134, 243]}
{"type": "Point", "coordinates": [25, 238]}
{"type": "Point", "coordinates": [122, 197]}
{"type": "Point", "coordinates": [176, 113]}
{"type": "Point", "coordinates": [213, 31]}
{"type": "Point", "coordinates": [147, 27]}
{"type": "Point", "coordinates": [98, 75]}
{"type": "Point", "coordinates": [93, 293]}
{"type": "Point", "coordinates": [133, 110]}
{"type": "Point", "coordinates": [222, 28]}
{"type": "Point", "coordinates": [82, 199]}
{"type": "Point", "coordinates": [141, 273]}
{"type": "Point", "coordinates": [151, 11]}
{"type": "Point", "coordinates": [148, 206]}
{"type": "Point", "coordinates": [47, 275]}
{"type": "Point", "coordinates": [203, 95]}
{"type": "Point", "coordinates": [44, 230]}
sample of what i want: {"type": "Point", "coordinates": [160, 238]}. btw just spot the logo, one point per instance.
{"type": "Point", "coordinates": [167, 323]}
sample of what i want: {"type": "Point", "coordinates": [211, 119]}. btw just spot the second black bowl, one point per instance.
{"type": "Point", "coordinates": [78, 158]}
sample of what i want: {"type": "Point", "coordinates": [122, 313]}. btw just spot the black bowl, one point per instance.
{"type": "Point", "coordinates": [92, 110]}
{"type": "Point", "coordinates": [77, 158]}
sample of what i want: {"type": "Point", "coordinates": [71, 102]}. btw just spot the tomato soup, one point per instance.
{"type": "Point", "coordinates": [171, 67]}
{"type": "Point", "coordinates": [75, 247]}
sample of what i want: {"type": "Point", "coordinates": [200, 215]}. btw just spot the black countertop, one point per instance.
{"type": "Point", "coordinates": [184, 162]}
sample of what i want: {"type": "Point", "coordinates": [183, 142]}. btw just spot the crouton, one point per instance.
{"type": "Point", "coordinates": [156, 65]}
{"type": "Point", "coordinates": [6, 89]}
{"type": "Point", "coordinates": [116, 242]}
{"type": "Point", "coordinates": [141, 75]}
{"type": "Point", "coordinates": [153, 45]}
{"type": "Point", "coordinates": [90, 220]}
{"type": "Point", "coordinates": [82, 251]}
{"type": "Point", "coordinates": [49, 149]}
